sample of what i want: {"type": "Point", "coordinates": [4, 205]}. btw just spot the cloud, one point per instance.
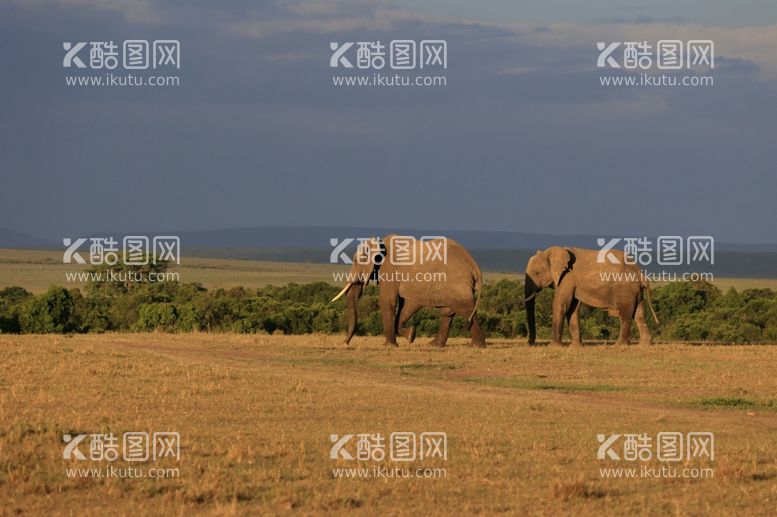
{"type": "Point", "coordinates": [641, 18]}
{"type": "Point", "coordinates": [517, 70]}
{"type": "Point", "coordinates": [641, 105]}
{"type": "Point", "coordinates": [756, 44]}
{"type": "Point", "coordinates": [267, 28]}
{"type": "Point", "coordinates": [346, 21]}
{"type": "Point", "coordinates": [267, 19]}
{"type": "Point", "coordinates": [258, 134]}
{"type": "Point", "coordinates": [132, 11]}
{"type": "Point", "coordinates": [312, 8]}
{"type": "Point", "coordinates": [288, 57]}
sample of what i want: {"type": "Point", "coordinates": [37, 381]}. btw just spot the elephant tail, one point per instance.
{"type": "Point", "coordinates": [648, 297]}
{"type": "Point", "coordinates": [479, 287]}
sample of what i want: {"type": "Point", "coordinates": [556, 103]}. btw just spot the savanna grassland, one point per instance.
{"type": "Point", "coordinates": [255, 414]}
{"type": "Point", "coordinates": [37, 270]}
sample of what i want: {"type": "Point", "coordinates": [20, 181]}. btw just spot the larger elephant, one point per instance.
{"type": "Point", "coordinates": [412, 274]}
{"type": "Point", "coordinates": [582, 276]}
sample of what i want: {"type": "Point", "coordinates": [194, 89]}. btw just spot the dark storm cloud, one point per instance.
{"type": "Point", "coordinates": [522, 138]}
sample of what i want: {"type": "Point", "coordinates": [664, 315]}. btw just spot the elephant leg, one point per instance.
{"type": "Point", "coordinates": [573, 318]}
{"type": "Point", "coordinates": [478, 339]}
{"type": "Point", "coordinates": [625, 333]}
{"type": "Point", "coordinates": [644, 331]}
{"type": "Point", "coordinates": [406, 311]}
{"type": "Point", "coordinates": [560, 308]}
{"type": "Point", "coordinates": [445, 327]}
{"type": "Point", "coordinates": [388, 309]}
{"type": "Point", "coordinates": [400, 307]}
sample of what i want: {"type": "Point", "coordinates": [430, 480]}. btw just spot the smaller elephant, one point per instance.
{"type": "Point", "coordinates": [580, 277]}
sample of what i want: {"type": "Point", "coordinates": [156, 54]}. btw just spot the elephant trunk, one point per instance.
{"type": "Point", "coordinates": [354, 293]}
{"type": "Point", "coordinates": [530, 291]}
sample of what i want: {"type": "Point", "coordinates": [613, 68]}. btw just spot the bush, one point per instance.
{"type": "Point", "coordinates": [688, 311]}
{"type": "Point", "coordinates": [10, 300]}
{"type": "Point", "coordinates": [157, 316]}
{"type": "Point", "coordinates": [49, 313]}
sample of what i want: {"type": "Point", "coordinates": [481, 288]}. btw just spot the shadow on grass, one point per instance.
{"type": "Point", "coordinates": [524, 383]}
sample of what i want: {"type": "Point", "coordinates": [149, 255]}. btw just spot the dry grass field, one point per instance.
{"type": "Point", "coordinates": [37, 270]}
{"type": "Point", "coordinates": [255, 414]}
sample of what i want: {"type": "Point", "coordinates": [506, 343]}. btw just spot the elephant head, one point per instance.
{"type": "Point", "coordinates": [366, 262]}
{"type": "Point", "coordinates": [545, 268]}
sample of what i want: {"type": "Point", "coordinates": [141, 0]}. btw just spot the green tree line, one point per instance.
{"type": "Point", "coordinates": [688, 311]}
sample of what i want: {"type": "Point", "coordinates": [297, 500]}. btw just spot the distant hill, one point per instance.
{"type": "Point", "coordinates": [318, 237]}
{"type": "Point", "coordinates": [728, 264]}
{"type": "Point", "coordinates": [16, 240]}
{"type": "Point", "coordinates": [494, 250]}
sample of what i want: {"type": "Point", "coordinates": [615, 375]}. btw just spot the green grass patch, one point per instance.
{"type": "Point", "coordinates": [736, 402]}
{"type": "Point", "coordinates": [428, 366]}
{"type": "Point", "coordinates": [425, 368]}
{"type": "Point", "coordinates": [528, 383]}
{"type": "Point", "coordinates": [321, 361]}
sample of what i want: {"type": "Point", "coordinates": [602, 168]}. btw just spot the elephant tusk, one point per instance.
{"type": "Point", "coordinates": [341, 293]}
{"type": "Point", "coordinates": [529, 298]}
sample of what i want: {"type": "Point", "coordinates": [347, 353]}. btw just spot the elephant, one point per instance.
{"type": "Point", "coordinates": [436, 273]}
{"type": "Point", "coordinates": [579, 277]}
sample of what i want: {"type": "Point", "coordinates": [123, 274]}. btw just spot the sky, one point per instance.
{"type": "Point", "coordinates": [523, 137]}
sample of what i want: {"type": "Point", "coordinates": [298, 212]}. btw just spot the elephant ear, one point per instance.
{"type": "Point", "coordinates": [560, 260]}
